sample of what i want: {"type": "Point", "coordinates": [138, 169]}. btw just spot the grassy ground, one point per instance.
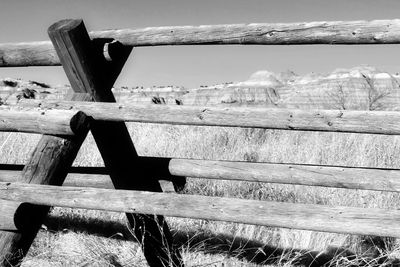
{"type": "Point", "coordinates": [93, 238]}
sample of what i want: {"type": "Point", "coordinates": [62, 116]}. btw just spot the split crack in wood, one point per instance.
{"type": "Point", "coordinates": [310, 171]}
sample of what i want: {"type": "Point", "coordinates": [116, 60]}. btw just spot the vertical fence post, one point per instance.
{"type": "Point", "coordinates": [90, 71]}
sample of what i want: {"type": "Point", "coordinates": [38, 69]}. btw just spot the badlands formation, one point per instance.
{"type": "Point", "coordinates": [360, 88]}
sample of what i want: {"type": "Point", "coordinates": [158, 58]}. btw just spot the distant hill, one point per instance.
{"type": "Point", "coordinates": [11, 90]}
{"type": "Point", "coordinates": [359, 88]}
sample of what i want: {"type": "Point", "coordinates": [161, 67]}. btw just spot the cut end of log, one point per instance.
{"type": "Point", "coordinates": [114, 50]}
{"type": "Point", "coordinates": [65, 25]}
{"type": "Point", "coordinates": [23, 217]}
{"type": "Point", "coordinates": [80, 123]}
{"type": "Point", "coordinates": [27, 218]}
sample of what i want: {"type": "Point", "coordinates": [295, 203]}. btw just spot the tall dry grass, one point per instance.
{"type": "Point", "coordinates": [93, 238]}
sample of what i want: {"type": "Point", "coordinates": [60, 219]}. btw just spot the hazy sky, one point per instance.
{"type": "Point", "coordinates": [28, 20]}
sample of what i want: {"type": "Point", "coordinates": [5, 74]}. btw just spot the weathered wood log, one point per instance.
{"type": "Point", "coordinates": [28, 54]}
{"type": "Point", "coordinates": [372, 122]}
{"type": "Point", "coordinates": [51, 122]}
{"type": "Point", "coordinates": [380, 222]}
{"type": "Point", "coordinates": [333, 32]}
{"type": "Point", "coordinates": [7, 221]}
{"type": "Point", "coordinates": [72, 179]}
{"type": "Point", "coordinates": [157, 166]}
{"type": "Point", "coordinates": [325, 32]}
{"type": "Point", "coordinates": [90, 72]}
{"type": "Point", "coordinates": [301, 174]}
{"type": "Point", "coordinates": [14, 215]}
{"type": "Point", "coordinates": [48, 164]}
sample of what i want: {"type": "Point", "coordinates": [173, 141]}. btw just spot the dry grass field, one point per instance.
{"type": "Point", "coordinates": [92, 238]}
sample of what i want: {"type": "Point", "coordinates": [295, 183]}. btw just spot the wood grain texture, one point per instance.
{"type": "Point", "coordinates": [83, 62]}
{"type": "Point", "coordinates": [28, 54]}
{"type": "Point", "coordinates": [324, 32]}
{"type": "Point", "coordinates": [328, 176]}
{"type": "Point", "coordinates": [97, 179]}
{"type": "Point", "coordinates": [51, 122]}
{"type": "Point", "coordinates": [13, 215]}
{"type": "Point", "coordinates": [339, 219]}
{"type": "Point", "coordinates": [301, 174]}
{"type": "Point", "coordinates": [372, 122]}
{"type": "Point", "coordinates": [89, 72]}
{"type": "Point", "coordinates": [48, 164]}
{"type": "Point", "coordinates": [7, 215]}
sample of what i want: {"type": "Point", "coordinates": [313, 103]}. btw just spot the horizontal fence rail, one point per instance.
{"type": "Point", "coordinates": [339, 219]}
{"type": "Point", "coordinates": [372, 122]}
{"type": "Point", "coordinates": [339, 177]}
{"type": "Point", "coordinates": [299, 174]}
{"type": "Point", "coordinates": [334, 32]}
{"type": "Point", "coordinates": [88, 59]}
{"type": "Point", "coordinates": [51, 122]}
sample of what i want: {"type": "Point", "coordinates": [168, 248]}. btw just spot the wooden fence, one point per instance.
{"type": "Point", "coordinates": [93, 61]}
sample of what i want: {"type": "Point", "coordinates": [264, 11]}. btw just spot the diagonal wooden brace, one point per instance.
{"type": "Point", "coordinates": [49, 164]}
{"type": "Point", "coordinates": [92, 68]}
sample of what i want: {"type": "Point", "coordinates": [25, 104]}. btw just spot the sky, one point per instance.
{"type": "Point", "coordinates": [192, 66]}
